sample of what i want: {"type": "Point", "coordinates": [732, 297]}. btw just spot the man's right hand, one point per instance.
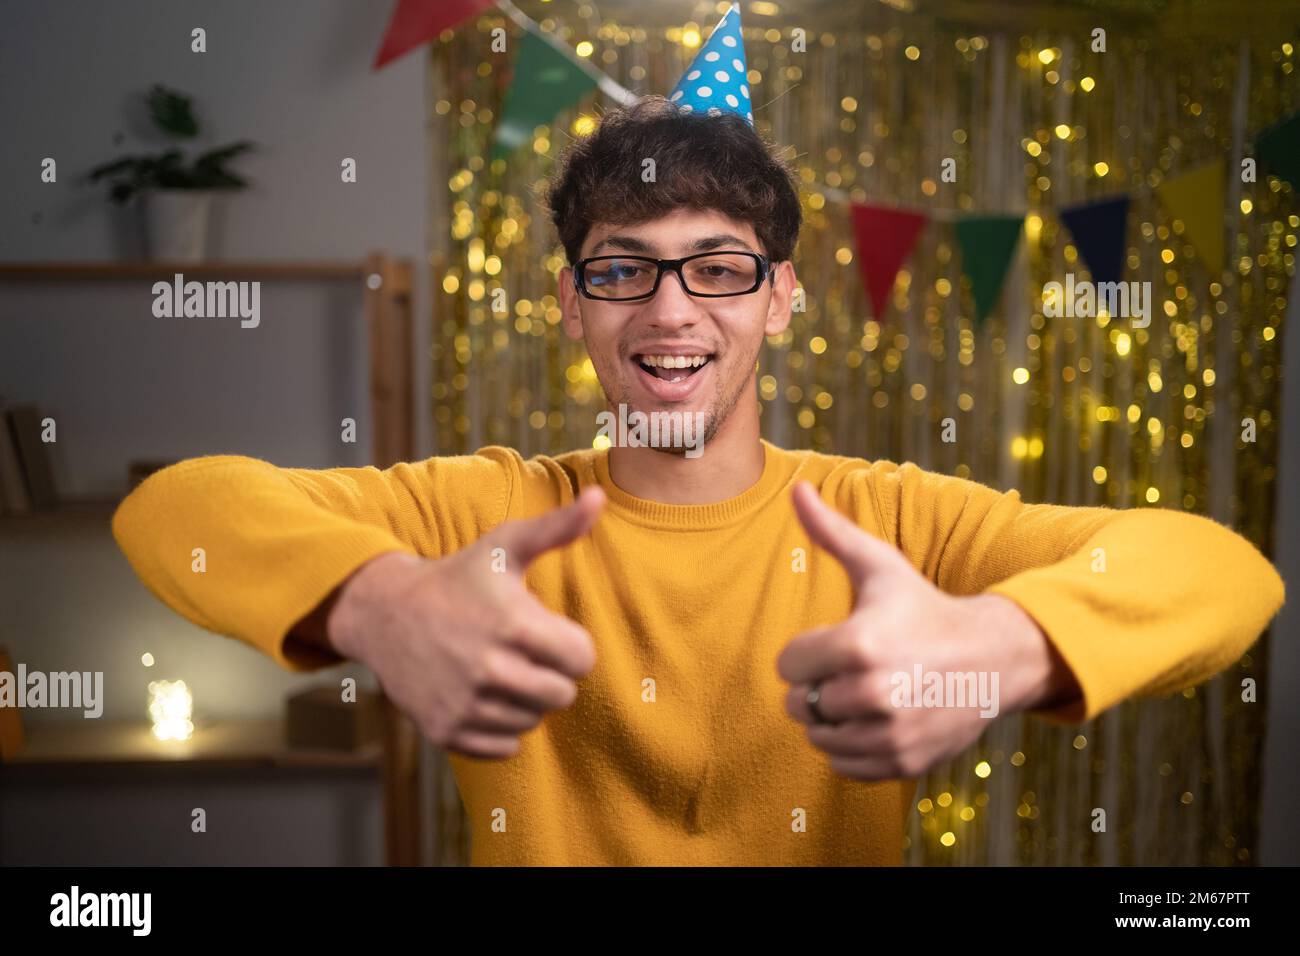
{"type": "Point", "coordinates": [459, 643]}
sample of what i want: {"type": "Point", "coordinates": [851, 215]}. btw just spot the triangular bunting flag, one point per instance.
{"type": "Point", "coordinates": [545, 82]}
{"type": "Point", "coordinates": [1100, 230]}
{"type": "Point", "coordinates": [1278, 149]}
{"type": "Point", "coordinates": [885, 237]}
{"type": "Point", "coordinates": [987, 244]}
{"type": "Point", "coordinates": [1197, 199]}
{"type": "Point", "coordinates": [416, 22]}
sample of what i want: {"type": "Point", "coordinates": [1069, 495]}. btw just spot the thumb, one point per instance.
{"type": "Point", "coordinates": [526, 540]}
{"type": "Point", "coordinates": [862, 555]}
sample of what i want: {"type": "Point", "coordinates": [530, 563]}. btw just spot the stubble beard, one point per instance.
{"type": "Point", "coordinates": [724, 403]}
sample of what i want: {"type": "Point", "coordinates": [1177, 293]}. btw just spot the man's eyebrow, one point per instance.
{"type": "Point", "coordinates": [705, 244]}
{"type": "Point", "coordinates": [629, 243]}
{"type": "Point", "coordinates": [721, 241]}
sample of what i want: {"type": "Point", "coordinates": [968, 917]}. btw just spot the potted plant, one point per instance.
{"type": "Point", "coordinates": [176, 195]}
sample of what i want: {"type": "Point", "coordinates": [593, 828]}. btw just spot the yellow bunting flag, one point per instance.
{"type": "Point", "coordinates": [1197, 199]}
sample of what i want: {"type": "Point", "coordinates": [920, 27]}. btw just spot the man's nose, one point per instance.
{"type": "Point", "coordinates": [672, 306]}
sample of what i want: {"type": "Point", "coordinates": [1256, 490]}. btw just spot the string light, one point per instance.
{"type": "Point", "coordinates": [170, 710]}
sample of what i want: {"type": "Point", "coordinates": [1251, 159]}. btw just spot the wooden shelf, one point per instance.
{"type": "Point", "coordinates": [231, 744]}
{"type": "Point", "coordinates": [165, 270]}
{"type": "Point", "coordinates": [65, 512]}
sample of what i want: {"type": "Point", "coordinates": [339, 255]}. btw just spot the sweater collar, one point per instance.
{"type": "Point", "coordinates": [779, 467]}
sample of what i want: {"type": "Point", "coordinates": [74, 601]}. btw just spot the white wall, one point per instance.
{"type": "Point", "coordinates": [295, 77]}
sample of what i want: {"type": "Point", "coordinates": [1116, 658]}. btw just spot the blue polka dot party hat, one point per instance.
{"type": "Point", "coordinates": [716, 81]}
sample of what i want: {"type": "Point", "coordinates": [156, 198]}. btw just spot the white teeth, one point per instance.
{"type": "Point", "coordinates": [674, 361]}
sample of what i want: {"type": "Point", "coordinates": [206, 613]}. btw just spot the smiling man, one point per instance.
{"type": "Point", "coordinates": [746, 657]}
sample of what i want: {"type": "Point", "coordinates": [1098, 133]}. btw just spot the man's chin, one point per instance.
{"type": "Point", "coordinates": [673, 428]}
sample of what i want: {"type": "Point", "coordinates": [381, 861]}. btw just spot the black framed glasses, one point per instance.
{"type": "Point", "coordinates": [709, 275]}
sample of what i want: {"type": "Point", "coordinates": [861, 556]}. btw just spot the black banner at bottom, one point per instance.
{"type": "Point", "coordinates": [218, 905]}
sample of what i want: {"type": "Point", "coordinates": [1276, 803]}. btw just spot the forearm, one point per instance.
{"type": "Point", "coordinates": [336, 627]}
{"type": "Point", "coordinates": [1154, 602]}
{"type": "Point", "coordinates": [311, 635]}
{"type": "Point", "coordinates": [1033, 674]}
{"type": "Point", "coordinates": [239, 547]}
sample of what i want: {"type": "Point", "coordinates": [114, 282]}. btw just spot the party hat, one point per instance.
{"type": "Point", "coordinates": [716, 81]}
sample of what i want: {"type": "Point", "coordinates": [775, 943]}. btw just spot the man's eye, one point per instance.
{"type": "Point", "coordinates": [618, 272]}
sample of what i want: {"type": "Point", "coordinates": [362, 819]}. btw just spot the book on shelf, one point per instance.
{"type": "Point", "coordinates": [11, 726]}
{"type": "Point", "coordinates": [14, 499]}
{"type": "Point", "coordinates": [36, 490]}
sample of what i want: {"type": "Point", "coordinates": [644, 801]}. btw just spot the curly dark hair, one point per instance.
{"type": "Point", "coordinates": [706, 162]}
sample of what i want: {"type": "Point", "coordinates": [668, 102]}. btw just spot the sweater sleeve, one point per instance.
{"type": "Point", "coordinates": [1142, 602]}
{"type": "Point", "coordinates": [246, 549]}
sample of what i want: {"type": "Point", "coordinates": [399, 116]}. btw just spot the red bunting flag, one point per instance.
{"type": "Point", "coordinates": [885, 237]}
{"type": "Point", "coordinates": [416, 22]}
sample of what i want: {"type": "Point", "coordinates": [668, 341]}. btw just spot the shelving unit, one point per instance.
{"type": "Point", "coordinates": [387, 288]}
{"type": "Point", "coordinates": [387, 296]}
{"type": "Point", "coordinates": [230, 744]}
{"type": "Point", "coordinates": [66, 512]}
{"type": "Point", "coordinates": [71, 271]}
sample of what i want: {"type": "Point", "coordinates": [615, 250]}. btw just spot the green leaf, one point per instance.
{"type": "Point", "coordinates": [220, 155]}
{"type": "Point", "coordinates": [116, 166]}
{"type": "Point", "coordinates": [172, 112]}
{"type": "Point", "coordinates": [210, 171]}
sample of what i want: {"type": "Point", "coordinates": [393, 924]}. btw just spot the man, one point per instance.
{"type": "Point", "coordinates": [636, 656]}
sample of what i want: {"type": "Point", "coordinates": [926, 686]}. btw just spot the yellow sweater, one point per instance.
{"type": "Point", "coordinates": [701, 599]}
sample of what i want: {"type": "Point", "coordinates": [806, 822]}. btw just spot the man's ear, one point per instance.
{"type": "Point", "coordinates": [570, 312]}
{"type": "Point", "coordinates": [778, 309]}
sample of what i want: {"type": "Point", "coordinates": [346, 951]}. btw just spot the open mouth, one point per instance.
{"type": "Point", "coordinates": [672, 368]}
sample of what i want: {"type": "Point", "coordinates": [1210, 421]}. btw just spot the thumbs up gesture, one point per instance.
{"type": "Point", "coordinates": [459, 643]}
{"type": "Point", "coordinates": [885, 682]}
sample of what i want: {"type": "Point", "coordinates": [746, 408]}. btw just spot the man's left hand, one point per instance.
{"type": "Point", "coordinates": [901, 620]}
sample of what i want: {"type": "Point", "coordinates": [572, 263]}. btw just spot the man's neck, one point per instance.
{"type": "Point", "coordinates": [730, 463]}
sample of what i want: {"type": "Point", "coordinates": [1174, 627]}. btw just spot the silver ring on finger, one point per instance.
{"type": "Point", "coordinates": [813, 699]}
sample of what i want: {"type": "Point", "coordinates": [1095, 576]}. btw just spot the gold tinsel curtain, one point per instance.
{"type": "Point", "coordinates": [1070, 410]}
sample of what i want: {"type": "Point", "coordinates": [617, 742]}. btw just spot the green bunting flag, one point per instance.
{"type": "Point", "coordinates": [1278, 149]}
{"type": "Point", "coordinates": [545, 82]}
{"type": "Point", "coordinates": [987, 245]}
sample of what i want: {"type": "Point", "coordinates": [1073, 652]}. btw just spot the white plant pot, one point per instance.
{"type": "Point", "coordinates": [176, 224]}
